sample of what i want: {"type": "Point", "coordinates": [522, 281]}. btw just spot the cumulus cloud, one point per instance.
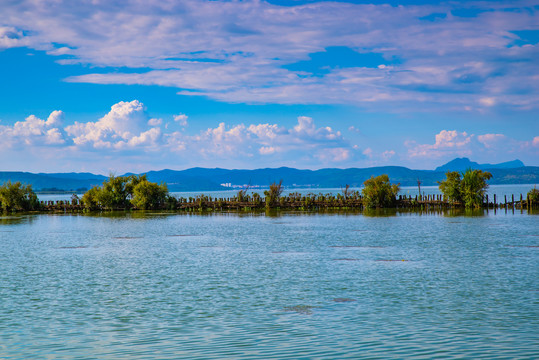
{"type": "Point", "coordinates": [181, 119]}
{"type": "Point", "coordinates": [304, 141]}
{"type": "Point", "coordinates": [446, 141]}
{"type": "Point", "coordinates": [155, 122]}
{"type": "Point", "coordinates": [124, 126]}
{"type": "Point", "coordinates": [491, 140]}
{"type": "Point", "coordinates": [452, 143]}
{"type": "Point", "coordinates": [239, 51]}
{"type": "Point", "coordinates": [34, 131]}
{"type": "Point", "coordinates": [129, 138]}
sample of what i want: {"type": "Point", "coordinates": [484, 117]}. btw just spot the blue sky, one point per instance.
{"type": "Point", "coordinates": [122, 86]}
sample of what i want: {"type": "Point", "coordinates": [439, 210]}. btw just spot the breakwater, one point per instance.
{"type": "Point", "coordinates": [311, 202]}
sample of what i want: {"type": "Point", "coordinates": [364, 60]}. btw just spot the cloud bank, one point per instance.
{"type": "Point", "coordinates": [127, 138]}
{"type": "Point", "coordinates": [470, 56]}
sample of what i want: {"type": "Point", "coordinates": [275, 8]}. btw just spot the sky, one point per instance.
{"type": "Point", "coordinates": [132, 86]}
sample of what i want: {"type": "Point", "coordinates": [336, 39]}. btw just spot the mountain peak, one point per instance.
{"type": "Point", "coordinates": [462, 164]}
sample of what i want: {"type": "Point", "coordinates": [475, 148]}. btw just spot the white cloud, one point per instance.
{"type": "Point", "coordinates": [124, 126]}
{"type": "Point", "coordinates": [487, 101]}
{"type": "Point", "coordinates": [491, 140]}
{"type": "Point", "coordinates": [11, 37]}
{"type": "Point", "coordinates": [236, 51]}
{"type": "Point", "coordinates": [388, 154]}
{"type": "Point", "coordinates": [127, 138]}
{"type": "Point", "coordinates": [484, 147]}
{"type": "Point", "coordinates": [56, 118]}
{"type": "Point", "coordinates": [239, 142]}
{"type": "Point", "coordinates": [221, 142]}
{"type": "Point", "coordinates": [334, 155]}
{"type": "Point", "coordinates": [267, 150]}
{"type": "Point", "coordinates": [33, 131]}
{"type": "Point", "coordinates": [446, 141]}
{"type": "Point", "coordinates": [155, 122]}
{"type": "Point", "coordinates": [181, 119]}
{"type": "Point", "coordinates": [367, 152]}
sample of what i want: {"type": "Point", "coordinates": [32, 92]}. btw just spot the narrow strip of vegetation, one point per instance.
{"type": "Point", "coordinates": [135, 192]}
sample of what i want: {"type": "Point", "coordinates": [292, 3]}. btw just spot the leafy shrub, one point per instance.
{"type": "Point", "coordinates": [122, 192]}
{"type": "Point", "coordinates": [274, 193]}
{"type": "Point", "coordinates": [379, 192]}
{"type": "Point", "coordinates": [533, 194]}
{"type": "Point", "coordinates": [469, 189]}
{"type": "Point", "coordinates": [18, 197]}
{"type": "Point", "coordinates": [149, 195]}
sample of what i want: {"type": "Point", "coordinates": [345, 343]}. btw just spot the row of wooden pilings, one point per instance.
{"type": "Point", "coordinates": [435, 201]}
{"type": "Point", "coordinates": [440, 200]}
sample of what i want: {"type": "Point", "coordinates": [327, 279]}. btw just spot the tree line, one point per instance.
{"type": "Point", "coordinates": [136, 192]}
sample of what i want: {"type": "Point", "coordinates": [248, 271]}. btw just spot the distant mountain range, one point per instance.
{"type": "Point", "coordinates": [202, 179]}
{"type": "Point", "coordinates": [461, 164]}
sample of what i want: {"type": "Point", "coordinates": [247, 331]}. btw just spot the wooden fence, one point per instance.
{"type": "Point", "coordinates": [308, 202]}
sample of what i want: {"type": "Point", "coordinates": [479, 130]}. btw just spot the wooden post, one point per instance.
{"type": "Point", "coordinates": [495, 204]}
{"type": "Point", "coordinates": [505, 201]}
{"type": "Point", "coordinates": [513, 201]}
{"type": "Point", "coordinates": [487, 200]}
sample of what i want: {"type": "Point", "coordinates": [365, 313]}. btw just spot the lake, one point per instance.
{"type": "Point", "coordinates": [279, 285]}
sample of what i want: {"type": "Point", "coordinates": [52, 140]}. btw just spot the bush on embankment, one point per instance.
{"type": "Point", "coordinates": [379, 192]}
{"type": "Point", "coordinates": [125, 192]}
{"type": "Point", "coordinates": [470, 189]}
{"type": "Point", "coordinates": [18, 197]}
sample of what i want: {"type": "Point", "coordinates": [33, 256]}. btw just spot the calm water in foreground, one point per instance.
{"type": "Point", "coordinates": [302, 286]}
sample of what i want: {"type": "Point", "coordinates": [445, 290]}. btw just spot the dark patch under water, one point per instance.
{"type": "Point", "coordinates": [343, 300]}
{"type": "Point", "coordinates": [356, 247]}
{"type": "Point", "coordinates": [522, 246]}
{"type": "Point", "coordinates": [390, 260]}
{"type": "Point", "coordinates": [300, 309]}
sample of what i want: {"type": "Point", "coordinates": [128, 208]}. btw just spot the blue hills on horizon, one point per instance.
{"type": "Point", "coordinates": [461, 164]}
{"type": "Point", "coordinates": [204, 179]}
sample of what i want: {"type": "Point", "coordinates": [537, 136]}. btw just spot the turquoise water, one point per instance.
{"type": "Point", "coordinates": [301, 286]}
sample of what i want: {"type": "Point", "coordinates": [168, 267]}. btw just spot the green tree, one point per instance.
{"type": "Point", "coordinates": [474, 186]}
{"type": "Point", "coordinates": [379, 192]}
{"type": "Point", "coordinates": [533, 194]}
{"type": "Point", "coordinates": [451, 186]}
{"type": "Point", "coordinates": [114, 193]}
{"type": "Point", "coordinates": [149, 195]}
{"type": "Point", "coordinates": [90, 198]}
{"type": "Point", "coordinates": [469, 189]}
{"type": "Point", "coordinates": [18, 197]}
{"type": "Point", "coordinates": [274, 193]}
{"type": "Point", "coordinates": [118, 192]}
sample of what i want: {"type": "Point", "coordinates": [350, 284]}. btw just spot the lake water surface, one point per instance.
{"type": "Point", "coordinates": [289, 285]}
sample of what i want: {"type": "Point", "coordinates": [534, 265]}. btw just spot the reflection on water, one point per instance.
{"type": "Point", "coordinates": [343, 284]}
